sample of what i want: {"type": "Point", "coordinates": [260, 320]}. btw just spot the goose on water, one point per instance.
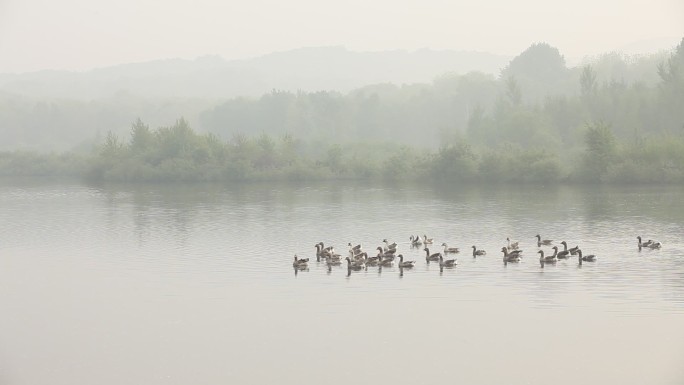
{"type": "Point", "coordinates": [560, 254]}
{"type": "Point", "coordinates": [477, 252]}
{"type": "Point", "coordinates": [300, 263]}
{"type": "Point", "coordinates": [544, 242]}
{"type": "Point", "coordinates": [449, 250]}
{"type": "Point", "coordinates": [415, 241]}
{"type": "Point", "coordinates": [566, 252]}
{"type": "Point", "coordinates": [355, 265]}
{"type": "Point", "coordinates": [390, 247]}
{"type": "Point", "coordinates": [447, 263]}
{"type": "Point", "coordinates": [386, 262]}
{"type": "Point", "coordinates": [510, 257]}
{"type": "Point", "coordinates": [548, 259]}
{"type": "Point", "coordinates": [426, 240]}
{"type": "Point", "coordinates": [372, 261]}
{"type": "Point", "coordinates": [405, 264]}
{"type": "Point", "coordinates": [650, 244]}
{"type": "Point", "coordinates": [585, 258]}
{"type": "Point", "coordinates": [512, 245]}
{"type": "Point", "coordinates": [383, 253]}
{"type": "Point", "coordinates": [431, 257]}
{"type": "Point", "coordinates": [573, 250]}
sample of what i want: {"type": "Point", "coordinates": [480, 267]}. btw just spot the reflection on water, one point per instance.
{"type": "Point", "coordinates": [195, 284]}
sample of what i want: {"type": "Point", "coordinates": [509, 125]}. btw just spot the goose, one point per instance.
{"type": "Point", "coordinates": [372, 261]}
{"type": "Point", "coordinates": [557, 254]}
{"type": "Point", "coordinates": [390, 247]}
{"type": "Point", "coordinates": [548, 258]}
{"type": "Point", "coordinates": [354, 250]}
{"type": "Point", "coordinates": [405, 264]}
{"type": "Point", "coordinates": [415, 241]}
{"type": "Point", "coordinates": [510, 257]}
{"type": "Point", "coordinates": [431, 257]}
{"type": "Point", "coordinates": [651, 244]}
{"type": "Point", "coordinates": [585, 258]}
{"type": "Point", "coordinates": [386, 262]}
{"type": "Point", "coordinates": [641, 244]}
{"type": "Point", "coordinates": [361, 256]}
{"type": "Point", "coordinates": [573, 250]}
{"type": "Point", "coordinates": [565, 253]}
{"type": "Point", "coordinates": [319, 252]}
{"type": "Point", "coordinates": [655, 245]}
{"type": "Point", "coordinates": [512, 245]}
{"type": "Point", "coordinates": [356, 265]}
{"type": "Point", "coordinates": [447, 263]}
{"type": "Point", "coordinates": [300, 263]}
{"type": "Point", "coordinates": [426, 240]}
{"type": "Point", "coordinates": [448, 249]}
{"type": "Point", "coordinates": [512, 253]}
{"type": "Point", "coordinates": [477, 252]}
{"type": "Point", "coordinates": [541, 242]}
{"type": "Point", "coordinates": [383, 253]}
{"type": "Point", "coordinates": [324, 249]}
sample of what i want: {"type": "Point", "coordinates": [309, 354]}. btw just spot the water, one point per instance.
{"type": "Point", "coordinates": [195, 285]}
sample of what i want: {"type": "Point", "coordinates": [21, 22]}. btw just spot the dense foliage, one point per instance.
{"type": "Point", "coordinates": [522, 127]}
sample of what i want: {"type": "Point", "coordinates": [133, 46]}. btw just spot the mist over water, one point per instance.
{"type": "Point", "coordinates": [194, 284]}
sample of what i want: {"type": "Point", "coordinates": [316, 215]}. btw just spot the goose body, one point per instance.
{"type": "Point", "coordinates": [585, 258]}
{"type": "Point", "coordinates": [426, 240]}
{"type": "Point", "coordinates": [354, 265]}
{"type": "Point", "coordinates": [447, 263]}
{"type": "Point", "coordinates": [431, 257]}
{"type": "Point", "coordinates": [650, 244]}
{"type": "Point", "coordinates": [390, 247]}
{"type": "Point", "coordinates": [560, 254]}
{"type": "Point", "coordinates": [386, 262]}
{"type": "Point", "coordinates": [545, 242]}
{"type": "Point", "coordinates": [415, 241]}
{"type": "Point", "coordinates": [405, 264]}
{"type": "Point", "coordinates": [384, 254]}
{"type": "Point", "coordinates": [510, 257]}
{"type": "Point", "coordinates": [372, 261]}
{"type": "Point", "coordinates": [449, 250]}
{"type": "Point", "coordinates": [477, 252]}
{"type": "Point", "coordinates": [573, 250]}
{"type": "Point", "coordinates": [300, 263]}
{"type": "Point", "coordinates": [548, 259]}
{"type": "Point", "coordinates": [512, 245]}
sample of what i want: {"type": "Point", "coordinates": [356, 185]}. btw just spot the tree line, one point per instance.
{"type": "Point", "coordinates": [518, 127]}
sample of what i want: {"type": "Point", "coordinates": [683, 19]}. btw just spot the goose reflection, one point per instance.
{"type": "Point", "coordinates": [297, 269]}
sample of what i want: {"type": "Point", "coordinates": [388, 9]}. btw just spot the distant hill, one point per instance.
{"type": "Point", "coordinates": [306, 69]}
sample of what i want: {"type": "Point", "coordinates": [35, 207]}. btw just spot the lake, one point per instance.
{"type": "Point", "coordinates": [184, 284]}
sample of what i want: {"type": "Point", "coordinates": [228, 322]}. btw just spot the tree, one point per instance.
{"type": "Point", "coordinates": [600, 153]}
{"type": "Point", "coordinates": [588, 82]}
{"type": "Point", "coordinates": [141, 137]}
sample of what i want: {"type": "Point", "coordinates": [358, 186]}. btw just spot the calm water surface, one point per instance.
{"type": "Point", "coordinates": [194, 285]}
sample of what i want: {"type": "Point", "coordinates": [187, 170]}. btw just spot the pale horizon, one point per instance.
{"type": "Point", "coordinates": [78, 35]}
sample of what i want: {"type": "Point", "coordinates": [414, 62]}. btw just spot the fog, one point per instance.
{"type": "Point", "coordinates": [162, 162]}
{"type": "Point", "coordinates": [81, 80]}
{"type": "Point", "coordinates": [81, 35]}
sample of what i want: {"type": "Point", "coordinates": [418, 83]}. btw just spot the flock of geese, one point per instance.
{"type": "Point", "coordinates": [387, 255]}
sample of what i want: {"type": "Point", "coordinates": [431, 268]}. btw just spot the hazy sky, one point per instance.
{"type": "Point", "coordinates": [82, 34]}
